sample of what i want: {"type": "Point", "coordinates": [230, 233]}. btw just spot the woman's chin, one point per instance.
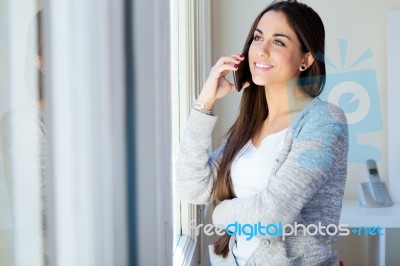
{"type": "Point", "coordinates": [260, 82]}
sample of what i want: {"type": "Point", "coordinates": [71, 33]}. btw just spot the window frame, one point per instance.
{"type": "Point", "coordinates": [191, 45]}
{"type": "Point", "coordinates": [87, 156]}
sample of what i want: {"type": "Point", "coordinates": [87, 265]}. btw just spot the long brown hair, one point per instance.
{"type": "Point", "coordinates": [253, 110]}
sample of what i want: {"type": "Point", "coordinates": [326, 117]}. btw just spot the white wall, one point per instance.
{"type": "Point", "coordinates": [362, 22]}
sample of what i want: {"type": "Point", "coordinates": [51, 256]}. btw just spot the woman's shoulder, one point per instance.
{"type": "Point", "coordinates": [322, 112]}
{"type": "Point", "coordinates": [319, 115]}
{"type": "Point", "coordinates": [330, 111]}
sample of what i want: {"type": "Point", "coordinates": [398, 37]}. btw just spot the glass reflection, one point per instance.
{"type": "Point", "coordinates": [24, 143]}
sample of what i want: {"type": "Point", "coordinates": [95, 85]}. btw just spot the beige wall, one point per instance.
{"type": "Point", "coordinates": [362, 22]}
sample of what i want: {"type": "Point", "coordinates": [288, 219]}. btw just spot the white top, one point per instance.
{"type": "Point", "coordinates": [250, 172]}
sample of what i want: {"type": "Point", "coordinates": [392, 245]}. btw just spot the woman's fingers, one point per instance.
{"type": "Point", "coordinates": [216, 85]}
{"type": "Point", "coordinates": [224, 73]}
{"type": "Point", "coordinates": [233, 59]}
{"type": "Point", "coordinates": [226, 64]}
{"type": "Point", "coordinates": [222, 70]}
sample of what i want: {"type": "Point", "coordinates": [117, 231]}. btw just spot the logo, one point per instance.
{"type": "Point", "coordinates": [356, 93]}
{"type": "Point", "coordinates": [283, 230]}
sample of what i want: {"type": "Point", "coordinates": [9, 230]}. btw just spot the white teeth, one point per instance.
{"type": "Point", "coordinates": [263, 66]}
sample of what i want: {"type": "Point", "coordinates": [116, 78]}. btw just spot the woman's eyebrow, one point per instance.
{"type": "Point", "coordinates": [275, 34]}
{"type": "Point", "coordinates": [281, 35]}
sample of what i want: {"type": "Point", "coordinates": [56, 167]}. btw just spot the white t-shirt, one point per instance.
{"type": "Point", "coordinates": [250, 172]}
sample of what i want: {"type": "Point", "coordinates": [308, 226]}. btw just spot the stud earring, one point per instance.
{"type": "Point", "coordinates": [302, 67]}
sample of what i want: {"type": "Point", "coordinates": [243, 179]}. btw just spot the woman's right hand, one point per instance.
{"type": "Point", "coordinates": [216, 85]}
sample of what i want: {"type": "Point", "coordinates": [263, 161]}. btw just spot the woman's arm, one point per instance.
{"type": "Point", "coordinates": [195, 169]}
{"type": "Point", "coordinates": [318, 153]}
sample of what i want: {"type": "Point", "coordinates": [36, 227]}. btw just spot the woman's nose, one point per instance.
{"type": "Point", "coordinates": [263, 49]}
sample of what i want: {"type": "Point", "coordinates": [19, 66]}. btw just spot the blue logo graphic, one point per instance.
{"type": "Point", "coordinates": [356, 93]}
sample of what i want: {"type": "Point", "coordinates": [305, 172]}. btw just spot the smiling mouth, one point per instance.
{"type": "Point", "coordinates": [262, 66]}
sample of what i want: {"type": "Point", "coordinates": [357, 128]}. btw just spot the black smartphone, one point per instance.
{"type": "Point", "coordinates": [238, 88]}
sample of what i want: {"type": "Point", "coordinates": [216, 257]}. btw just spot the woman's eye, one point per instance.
{"type": "Point", "coordinates": [256, 38]}
{"type": "Point", "coordinates": [279, 43]}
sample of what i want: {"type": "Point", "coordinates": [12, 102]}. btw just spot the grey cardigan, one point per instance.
{"type": "Point", "coordinates": [306, 185]}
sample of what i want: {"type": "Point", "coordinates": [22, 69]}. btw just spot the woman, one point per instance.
{"type": "Point", "coordinates": [284, 160]}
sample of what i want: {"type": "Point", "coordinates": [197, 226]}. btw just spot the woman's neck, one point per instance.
{"type": "Point", "coordinates": [283, 101]}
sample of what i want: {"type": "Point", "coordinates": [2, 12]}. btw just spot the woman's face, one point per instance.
{"type": "Point", "coordinates": [274, 54]}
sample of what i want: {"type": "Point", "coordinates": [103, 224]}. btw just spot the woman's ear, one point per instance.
{"type": "Point", "coordinates": [307, 61]}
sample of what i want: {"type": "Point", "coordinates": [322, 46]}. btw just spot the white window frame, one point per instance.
{"type": "Point", "coordinates": [191, 62]}
{"type": "Point", "coordinates": [85, 90]}
{"type": "Point", "coordinates": [152, 130]}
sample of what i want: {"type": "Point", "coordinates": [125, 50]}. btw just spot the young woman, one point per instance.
{"type": "Point", "coordinates": [284, 160]}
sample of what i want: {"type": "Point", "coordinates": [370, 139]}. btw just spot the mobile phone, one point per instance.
{"type": "Point", "coordinates": [238, 88]}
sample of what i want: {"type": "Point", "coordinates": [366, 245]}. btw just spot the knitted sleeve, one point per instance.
{"type": "Point", "coordinates": [318, 153]}
{"type": "Point", "coordinates": [195, 168]}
